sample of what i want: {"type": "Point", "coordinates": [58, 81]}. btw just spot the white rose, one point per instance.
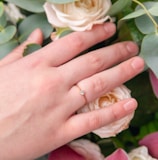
{"type": "Point", "coordinates": [89, 150]}
{"type": "Point", "coordinates": [140, 153]}
{"type": "Point", "coordinates": [106, 100]}
{"type": "Point", "coordinates": [78, 16]}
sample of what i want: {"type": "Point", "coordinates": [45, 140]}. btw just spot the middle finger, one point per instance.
{"type": "Point", "coordinates": [97, 61]}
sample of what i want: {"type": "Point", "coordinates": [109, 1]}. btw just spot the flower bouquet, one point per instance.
{"type": "Point", "coordinates": [136, 20]}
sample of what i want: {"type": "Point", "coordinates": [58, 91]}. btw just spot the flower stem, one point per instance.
{"type": "Point", "coordinates": [148, 14]}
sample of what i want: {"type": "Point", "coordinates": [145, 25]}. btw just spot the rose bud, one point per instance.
{"type": "Point", "coordinates": [117, 94]}
{"type": "Point", "coordinates": [151, 142]}
{"type": "Point", "coordinates": [65, 153]}
{"type": "Point", "coordinates": [119, 154]}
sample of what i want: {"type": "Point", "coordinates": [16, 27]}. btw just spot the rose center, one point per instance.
{"type": "Point", "coordinates": [88, 4]}
{"type": "Point", "coordinates": [111, 98]}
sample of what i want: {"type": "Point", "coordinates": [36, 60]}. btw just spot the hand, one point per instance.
{"type": "Point", "coordinates": [39, 95]}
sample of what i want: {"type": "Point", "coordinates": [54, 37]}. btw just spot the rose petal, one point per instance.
{"type": "Point", "coordinates": [154, 82]}
{"type": "Point", "coordinates": [151, 142]}
{"type": "Point", "coordinates": [87, 149]}
{"type": "Point", "coordinates": [65, 153]}
{"type": "Point", "coordinates": [119, 154]}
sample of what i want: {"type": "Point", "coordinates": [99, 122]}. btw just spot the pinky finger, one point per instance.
{"type": "Point", "coordinates": [86, 122]}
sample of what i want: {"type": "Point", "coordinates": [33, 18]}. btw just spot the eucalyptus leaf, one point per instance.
{"type": "Point", "coordinates": [32, 22]}
{"type": "Point", "coordinates": [134, 14]}
{"type": "Point", "coordinates": [1, 9]}
{"type": "Point", "coordinates": [64, 33]}
{"type": "Point", "coordinates": [145, 25]}
{"type": "Point", "coordinates": [35, 6]}
{"type": "Point", "coordinates": [154, 10]}
{"type": "Point", "coordinates": [3, 21]}
{"type": "Point", "coordinates": [31, 48]}
{"type": "Point", "coordinates": [7, 48]}
{"type": "Point", "coordinates": [7, 34]}
{"type": "Point", "coordinates": [61, 1]}
{"type": "Point", "coordinates": [151, 7]}
{"type": "Point", "coordinates": [149, 52]}
{"type": "Point", "coordinates": [118, 6]}
{"type": "Point", "coordinates": [139, 11]}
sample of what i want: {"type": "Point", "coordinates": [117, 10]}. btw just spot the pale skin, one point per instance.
{"type": "Point", "coordinates": [38, 93]}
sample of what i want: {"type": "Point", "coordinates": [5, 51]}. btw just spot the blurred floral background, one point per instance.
{"type": "Point", "coordinates": [136, 20]}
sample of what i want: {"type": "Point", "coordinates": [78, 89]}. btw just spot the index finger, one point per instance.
{"type": "Point", "coordinates": [64, 49]}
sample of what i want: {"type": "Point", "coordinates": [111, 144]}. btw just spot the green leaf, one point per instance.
{"type": "Point", "coordinates": [35, 6]}
{"type": "Point", "coordinates": [145, 24]}
{"type": "Point", "coordinates": [149, 52]}
{"type": "Point", "coordinates": [61, 1]}
{"type": "Point", "coordinates": [1, 9]}
{"type": "Point", "coordinates": [134, 14]}
{"type": "Point", "coordinates": [7, 34]}
{"type": "Point", "coordinates": [3, 21]}
{"type": "Point", "coordinates": [154, 11]}
{"type": "Point", "coordinates": [31, 48]}
{"type": "Point", "coordinates": [7, 48]}
{"type": "Point", "coordinates": [32, 22]}
{"type": "Point", "coordinates": [118, 6]}
{"type": "Point", "coordinates": [139, 11]}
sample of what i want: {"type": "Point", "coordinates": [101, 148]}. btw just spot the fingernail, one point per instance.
{"type": "Point", "coordinates": [132, 47]}
{"type": "Point", "coordinates": [138, 64]}
{"type": "Point", "coordinates": [131, 105]}
{"type": "Point", "coordinates": [109, 27]}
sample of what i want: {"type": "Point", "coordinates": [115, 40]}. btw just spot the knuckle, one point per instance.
{"type": "Point", "coordinates": [95, 61]}
{"type": "Point", "coordinates": [121, 51]}
{"type": "Point", "coordinates": [99, 85]}
{"type": "Point", "coordinates": [77, 40]}
{"type": "Point", "coordinates": [126, 72]}
{"type": "Point", "coordinates": [117, 113]}
{"type": "Point", "coordinates": [95, 121]}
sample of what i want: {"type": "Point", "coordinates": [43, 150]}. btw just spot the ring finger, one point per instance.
{"type": "Point", "coordinates": [100, 83]}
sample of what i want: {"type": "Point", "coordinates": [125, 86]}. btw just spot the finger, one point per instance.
{"type": "Point", "coordinates": [89, 64]}
{"type": "Point", "coordinates": [86, 122]}
{"type": "Point", "coordinates": [71, 45]}
{"type": "Point", "coordinates": [107, 80]}
{"type": "Point", "coordinates": [103, 82]}
{"type": "Point", "coordinates": [35, 37]}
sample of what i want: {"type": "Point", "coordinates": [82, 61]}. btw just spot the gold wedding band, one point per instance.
{"type": "Point", "coordinates": [82, 93]}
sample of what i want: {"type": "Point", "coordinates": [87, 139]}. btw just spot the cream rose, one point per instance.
{"type": "Point", "coordinates": [78, 16]}
{"type": "Point", "coordinates": [140, 153]}
{"type": "Point", "coordinates": [106, 100]}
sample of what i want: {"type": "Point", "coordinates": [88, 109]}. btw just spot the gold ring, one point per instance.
{"type": "Point", "coordinates": [82, 93]}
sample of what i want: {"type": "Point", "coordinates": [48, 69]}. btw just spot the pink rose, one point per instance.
{"type": "Point", "coordinates": [151, 142]}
